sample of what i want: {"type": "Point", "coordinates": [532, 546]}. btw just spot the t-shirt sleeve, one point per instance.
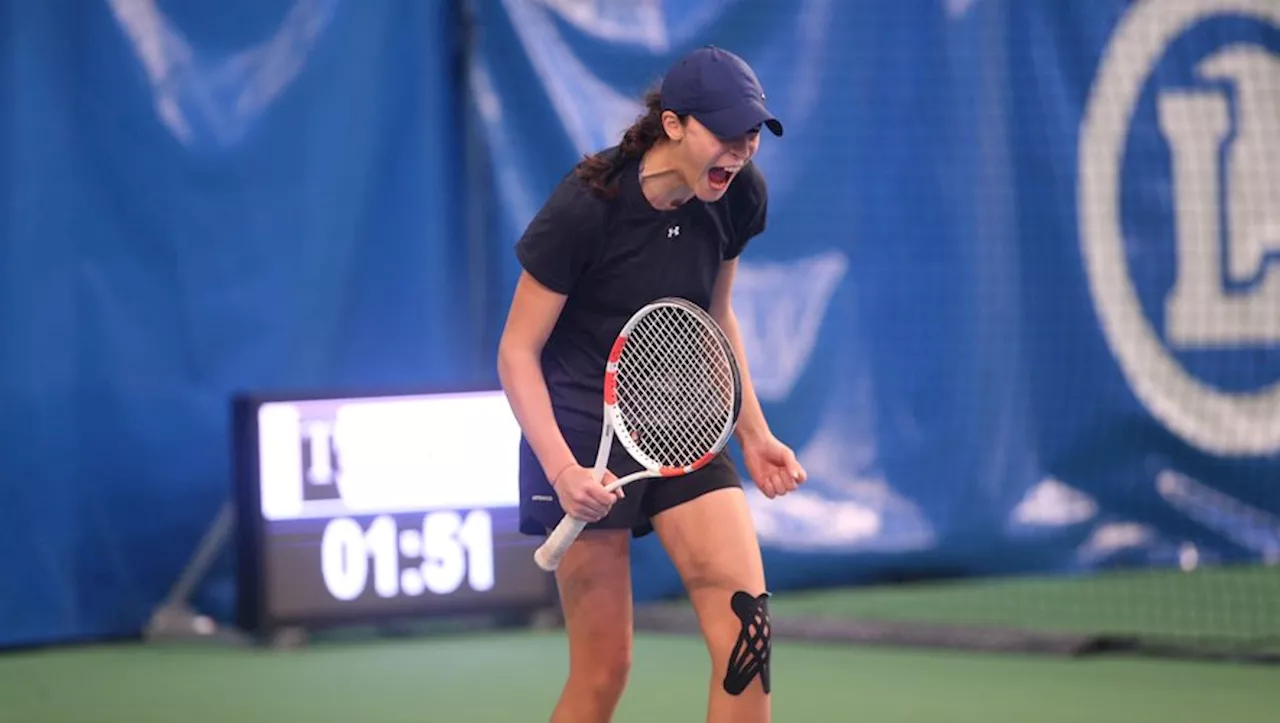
{"type": "Point", "coordinates": [562, 239]}
{"type": "Point", "coordinates": [749, 212]}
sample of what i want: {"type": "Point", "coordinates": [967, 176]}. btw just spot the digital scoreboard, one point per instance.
{"type": "Point", "coordinates": [354, 509]}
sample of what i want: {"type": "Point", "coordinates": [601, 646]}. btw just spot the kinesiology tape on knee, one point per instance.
{"type": "Point", "coordinates": [750, 655]}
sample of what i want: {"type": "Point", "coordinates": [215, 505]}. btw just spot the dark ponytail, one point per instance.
{"type": "Point", "coordinates": [598, 171]}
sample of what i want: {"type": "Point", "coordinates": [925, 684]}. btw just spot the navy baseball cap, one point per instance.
{"type": "Point", "coordinates": [720, 90]}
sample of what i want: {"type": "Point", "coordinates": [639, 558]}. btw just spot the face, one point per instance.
{"type": "Point", "coordinates": [709, 164]}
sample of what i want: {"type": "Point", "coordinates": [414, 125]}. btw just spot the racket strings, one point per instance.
{"type": "Point", "coordinates": [675, 387]}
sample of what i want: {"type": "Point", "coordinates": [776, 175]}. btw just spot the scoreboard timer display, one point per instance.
{"type": "Point", "coordinates": [352, 509]}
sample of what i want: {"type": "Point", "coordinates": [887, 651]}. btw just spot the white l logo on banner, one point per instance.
{"type": "Point", "coordinates": [1204, 310]}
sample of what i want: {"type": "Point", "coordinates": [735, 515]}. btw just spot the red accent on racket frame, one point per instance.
{"type": "Point", "coordinates": [611, 387]}
{"type": "Point", "coordinates": [699, 463]}
{"type": "Point", "coordinates": [616, 351]}
{"type": "Point", "coordinates": [611, 371]}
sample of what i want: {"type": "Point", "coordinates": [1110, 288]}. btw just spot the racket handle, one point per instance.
{"type": "Point", "coordinates": [550, 553]}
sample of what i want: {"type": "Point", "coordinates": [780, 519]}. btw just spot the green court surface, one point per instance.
{"type": "Point", "coordinates": [1241, 603]}
{"type": "Point", "coordinates": [506, 677]}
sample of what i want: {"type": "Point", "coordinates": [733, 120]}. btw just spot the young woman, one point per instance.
{"type": "Point", "coordinates": [665, 213]}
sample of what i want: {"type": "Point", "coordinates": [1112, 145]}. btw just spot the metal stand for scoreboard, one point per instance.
{"type": "Point", "coordinates": [174, 619]}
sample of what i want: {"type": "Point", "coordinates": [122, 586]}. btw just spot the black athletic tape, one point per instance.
{"type": "Point", "coordinates": [750, 656]}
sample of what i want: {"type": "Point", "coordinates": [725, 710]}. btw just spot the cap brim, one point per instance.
{"type": "Point", "coordinates": [735, 121]}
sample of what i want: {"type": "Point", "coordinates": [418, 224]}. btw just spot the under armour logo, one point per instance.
{"type": "Point", "coordinates": [673, 232]}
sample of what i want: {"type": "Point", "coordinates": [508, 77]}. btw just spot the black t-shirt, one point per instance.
{"type": "Point", "coordinates": [611, 257]}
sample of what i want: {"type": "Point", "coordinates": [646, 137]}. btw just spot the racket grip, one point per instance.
{"type": "Point", "coordinates": [550, 553]}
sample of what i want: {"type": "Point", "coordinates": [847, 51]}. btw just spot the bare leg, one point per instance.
{"type": "Point", "coordinates": [712, 542]}
{"type": "Point", "coordinates": [595, 591]}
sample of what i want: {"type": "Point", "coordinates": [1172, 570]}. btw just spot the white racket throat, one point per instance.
{"type": "Point", "coordinates": [671, 397]}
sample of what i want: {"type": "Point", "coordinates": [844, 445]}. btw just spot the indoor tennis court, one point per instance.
{"type": "Point", "coordinates": [990, 337]}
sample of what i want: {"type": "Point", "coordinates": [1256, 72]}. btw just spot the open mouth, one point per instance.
{"type": "Point", "coordinates": [720, 176]}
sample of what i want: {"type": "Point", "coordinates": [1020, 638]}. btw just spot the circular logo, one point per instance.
{"type": "Point", "coordinates": [1220, 137]}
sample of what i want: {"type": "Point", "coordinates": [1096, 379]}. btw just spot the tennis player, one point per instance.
{"type": "Point", "coordinates": [666, 212]}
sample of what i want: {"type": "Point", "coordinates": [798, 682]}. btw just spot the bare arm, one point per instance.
{"type": "Point", "coordinates": [751, 425]}
{"type": "Point", "coordinates": [533, 314]}
{"type": "Point", "coordinates": [772, 464]}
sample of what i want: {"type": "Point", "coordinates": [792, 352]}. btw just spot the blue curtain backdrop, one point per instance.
{"type": "Point", "coordinates": [202, 198]}
{"type": "Point", "coordinates": [931, 316]}
{"type": "Point", "coordinates": [993, 310]}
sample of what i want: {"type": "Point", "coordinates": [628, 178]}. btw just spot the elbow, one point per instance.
{"type": "Point", "coordinates": [723, 315]}
{"type": "Point", "coordinates": [510, 357]}
{"type": "Point", "coordinates": [504, 362]}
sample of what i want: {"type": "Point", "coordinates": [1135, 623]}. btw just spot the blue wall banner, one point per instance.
{"type": "Point", "coordinates": [200, 199]}
{"type": "Point", "coordinates": [989, 311]}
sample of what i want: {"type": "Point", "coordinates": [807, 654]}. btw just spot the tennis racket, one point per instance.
{"type": "Point", "coordinates": [672, 393]}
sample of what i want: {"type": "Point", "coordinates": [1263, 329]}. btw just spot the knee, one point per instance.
{"type": "Point", "coordinates": [615, 670]}
{"type": "Point", "coordinates": [750, 655]}
{"type": "Point", "coordinates": [613, 665]}
{"type": "Point", "coordinates": [606, 670]}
